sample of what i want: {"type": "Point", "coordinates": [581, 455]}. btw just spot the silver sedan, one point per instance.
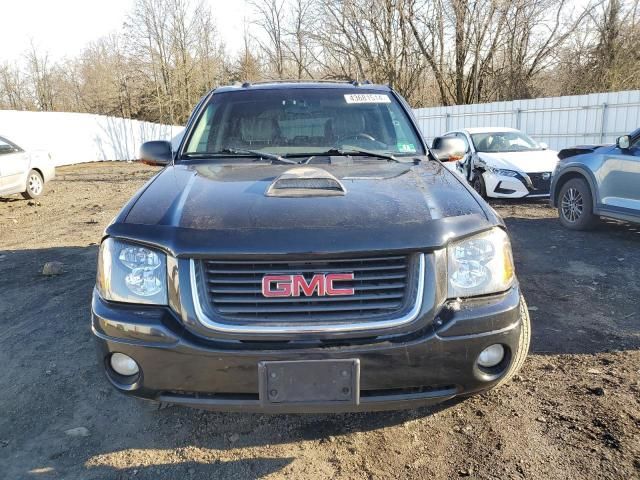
{"type": "Point", "coordinates": [23, 172]}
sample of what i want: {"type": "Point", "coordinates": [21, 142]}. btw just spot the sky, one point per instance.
{"type": "Point", "coordinates": [63, 27]}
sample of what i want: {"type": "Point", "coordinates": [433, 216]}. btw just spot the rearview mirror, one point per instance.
{"type": "Point", "coordinates": [156, 152]}
{"type": "Point", "coordinates": [448, 149]}
{"type": "Point", "coordinates": [543, 145]}
{"type": "Point", "coordinates": [623, 142]}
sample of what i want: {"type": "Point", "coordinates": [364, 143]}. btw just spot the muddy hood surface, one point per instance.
{"type": "Point", "coordinates": [213, 208]}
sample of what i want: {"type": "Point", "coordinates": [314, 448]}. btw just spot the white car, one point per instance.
{"type": "Point", "coordinates": [504, 162]}
{"type": "Point", "coordinates": [23, 172]}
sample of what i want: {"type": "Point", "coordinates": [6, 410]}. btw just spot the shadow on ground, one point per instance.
{"type": "Point", "coordinates": [580, 287]}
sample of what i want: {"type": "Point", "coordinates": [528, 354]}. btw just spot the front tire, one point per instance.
{"type": "Point", "coordinates": [518, 357]}
{"type": "Point", "coordinates": [479, 185]}
{"type": "Point", "coordinates": [35, 185]}
{"type": "Point", "coordinates": [575, 205]}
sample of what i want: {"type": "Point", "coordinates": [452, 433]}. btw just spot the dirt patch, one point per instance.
{"type": "Point", "coordinates": [573, 412]}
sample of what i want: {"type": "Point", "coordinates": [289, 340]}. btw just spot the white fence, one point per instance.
{"type": "Point", "coordinates": [558, 121]}
{"type": "Point", "coordinates": [81, 137]}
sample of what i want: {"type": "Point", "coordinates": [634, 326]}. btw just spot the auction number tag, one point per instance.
{"type": "Point", "coordinates": [366, 98]}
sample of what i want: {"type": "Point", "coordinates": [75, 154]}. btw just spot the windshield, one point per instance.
{"type": "Point", "coordinates": [503, 142]}
{"type": "Point", "coordinates": [300, 121]}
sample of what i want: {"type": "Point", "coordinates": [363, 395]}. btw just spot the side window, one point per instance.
{"type": "Point", "coordinates": [635, 147]}
{"type": "Point", "coordinates": [202, 132]}
{"type": "Point", "coordinates": [404, 138]}
{"type": "Point", "coordinates": [6, 148]}
{"type": "Point", "coordinates": [463, 137]}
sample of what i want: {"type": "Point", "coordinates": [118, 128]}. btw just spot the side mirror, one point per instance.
{"type": "Point", "coordinates": [156, 152]}
{"type": "Point", "coordinates": [448, 149]}
{"type": "Point", "coordinates": [623, 142]}
{"type": "Point", "coordinates": [543, 146]}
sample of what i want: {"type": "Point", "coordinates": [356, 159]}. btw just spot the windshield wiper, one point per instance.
{"type": "Point", "coordinates": [348, 152]}
{"type": "Point", "coordinates": [240, 151]}
{"type": "Point", "coordinates": [257, 153]}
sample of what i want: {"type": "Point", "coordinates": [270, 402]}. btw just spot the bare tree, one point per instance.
{"type": "Point", "coordinates": [247, 66]}
{"type": "Point", "coordinates": [175, 45]}
{"type": "Point", "coordinates": [271, 20]}
{"type": "Point", "coordinates": [460, 64]}
{"type": "Point", "coordinates": [299, 44]}
{"type": "Point", "coordinates": [602, 54]}
{"type": "Point", "coordinates": [14, 90]}
{"type": "Point", "coordinates": [40, 73]}
{"type": "Point", "coordinates": [536, 30]}
{"type": "Point", "coordinates": [369, 41]}
{"type": "Point", "coordinates": [431, 51]}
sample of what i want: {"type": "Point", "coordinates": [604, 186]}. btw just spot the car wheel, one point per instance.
{"type": "Point", "coordinates": [575, 205]}
{"type": "Point", "coordinates": [35, 185]}
{"type": "Point", "coordinates": [479, 185]}
{"type": "Point", "coordinates": [519, 356]}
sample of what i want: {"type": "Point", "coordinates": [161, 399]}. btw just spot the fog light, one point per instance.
{"type": "Point", "coordinates": [491, 356]}
{"type": "Point", "coordinates": [124, 364]}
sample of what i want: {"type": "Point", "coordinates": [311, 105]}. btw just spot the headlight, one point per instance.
{"type": "Point", "coordinates": [502, 172]}
{"type": "Point", "coordinates": [480, 265]}
{"type": "Point", "coordinates": [131, 273]}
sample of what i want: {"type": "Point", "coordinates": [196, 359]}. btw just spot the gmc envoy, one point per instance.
{"type": "Point", "coordinates": [302, 250]}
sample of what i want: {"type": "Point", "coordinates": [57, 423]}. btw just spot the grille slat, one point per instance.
{"type": "Point", "coordinates": [261, 299]}
{"type": "Point", "coordinates": [265, 309]}
{"type": "Point", "coordinates": [297, 270]}
{"type": "Point", "coordinates": [381, 288]}
{"type": "Point", "coordinates": [258, 279]}
{"type": "Point", "coordinates": [363, 287]}
{"type": "Point", "coordinates": [308, 261]}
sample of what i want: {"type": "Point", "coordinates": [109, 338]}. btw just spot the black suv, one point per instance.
{"type": "Point", "coordinates": [303, 251]}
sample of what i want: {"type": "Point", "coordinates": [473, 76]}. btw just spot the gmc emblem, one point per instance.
{"type": "Point", "coordinates": [295, 285]}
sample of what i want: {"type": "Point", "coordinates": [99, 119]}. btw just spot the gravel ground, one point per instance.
{"type": "Point", "coordinates": [573, 412]}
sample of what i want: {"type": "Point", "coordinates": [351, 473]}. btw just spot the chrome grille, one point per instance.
{"type": "Point", "coordinates": [384, 286]}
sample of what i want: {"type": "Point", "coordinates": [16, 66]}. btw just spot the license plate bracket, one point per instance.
{"type": "Point", "coordinates": [309, 382]}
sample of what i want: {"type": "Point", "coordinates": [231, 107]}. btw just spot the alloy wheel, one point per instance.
{"type": "Point", "coordinates": [572, 205]}
{"type": "Point", "coordinates": [35, 184]}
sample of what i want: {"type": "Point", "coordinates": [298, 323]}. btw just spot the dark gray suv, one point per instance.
{"type": "Point", "coordinates": [303, 251]}
{"type": "Point", "coordinates": [598, 181]}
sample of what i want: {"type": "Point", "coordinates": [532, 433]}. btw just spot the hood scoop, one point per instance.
{"type": "Point", "coordinates": [306, 182]}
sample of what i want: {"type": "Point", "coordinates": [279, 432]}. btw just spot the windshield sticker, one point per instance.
{"type": "Point", "coordinates": [366, 98]}
{"type": "Point", "coordinates": [406, 147]}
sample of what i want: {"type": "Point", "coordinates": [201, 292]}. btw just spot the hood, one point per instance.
{"type": "Point", "coordinates": [528, 162]}
{"type": "Point", "coordinates": [582, 149]}
{"type": "Point", "coordinates": [225, 209]}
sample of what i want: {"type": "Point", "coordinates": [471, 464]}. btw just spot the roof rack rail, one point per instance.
{"type": "Point", "coordinates": [297, 80]}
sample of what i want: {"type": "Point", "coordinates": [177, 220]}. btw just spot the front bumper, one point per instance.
{"type": "Point", "coordinates": [502, 186]}
{"type": "Point", "coordinates": [406, 371]}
